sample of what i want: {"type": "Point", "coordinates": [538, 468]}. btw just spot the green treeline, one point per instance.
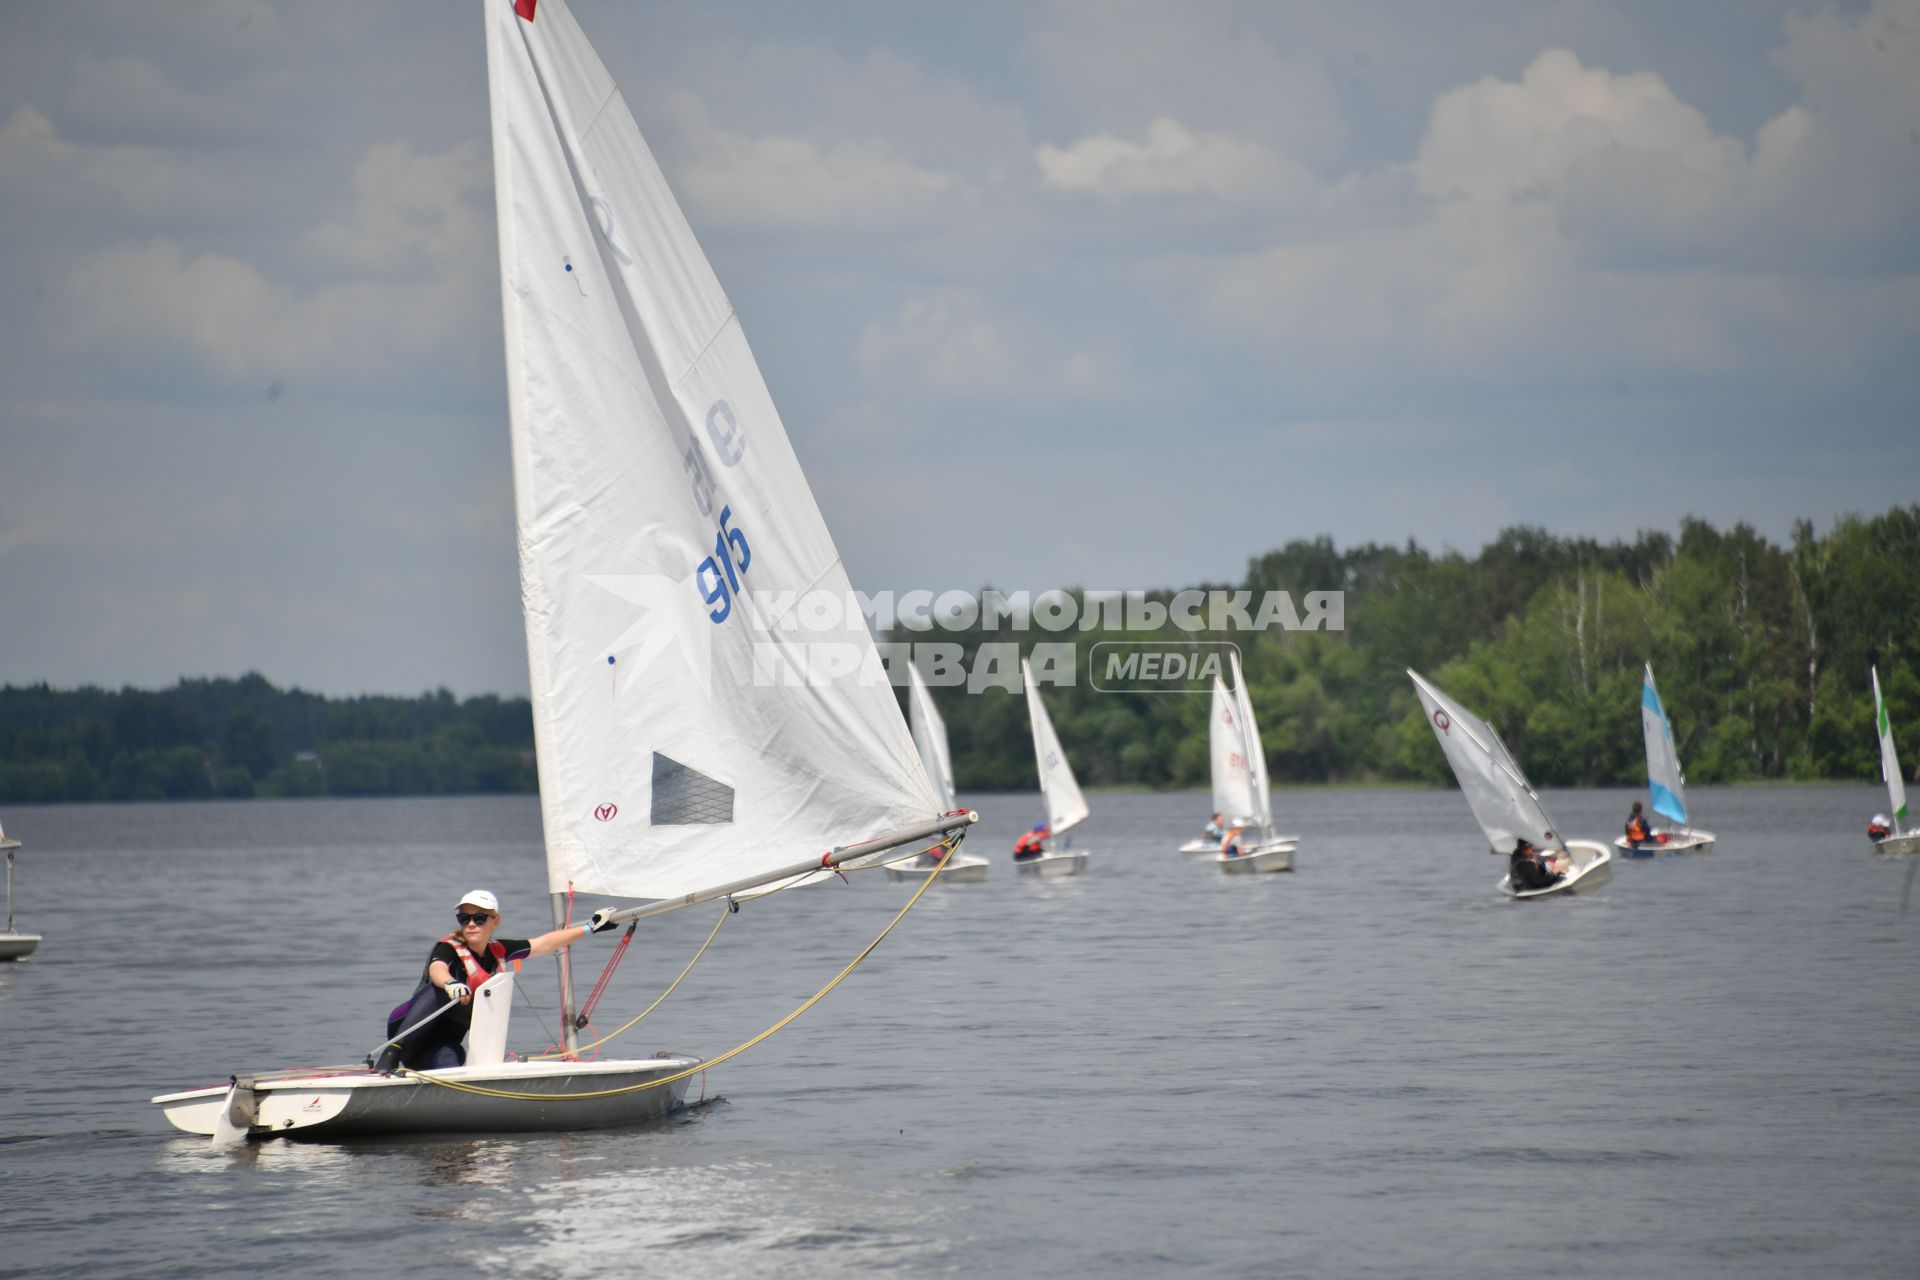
{"type": "Point", "coordinates": [1761, 653]}
{"type": "Point", "coordinates": [203, 739]}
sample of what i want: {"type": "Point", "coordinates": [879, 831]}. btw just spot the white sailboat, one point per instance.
{"type": "Point", "coordinates": [1901, 840]}
{"type": "Point", "coordinates": [1666, 785]}
{"type": "Point", "coordinates": [1504, 803]}
{"type": "Point", "coordinates": [1066, 807]}
{"type": "Point", "coordinates": [1250, 800]}
{"type": "Point", "coordinates": [14, 945]}
{"type": "Point", "coordinates": [1227, 761]}
{"type": "Point", "coordinates": [655, 493]}
{"type": "Point", "coordinates": [930, 738]}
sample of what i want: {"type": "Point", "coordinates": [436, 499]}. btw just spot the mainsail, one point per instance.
{"type": "Point", "coordinates": [1665, 784]}
{"type": "Point", "coordinates": [688, 734]}
{"type": "Point", "coordinates": [1256, 752]}
{"type": "Point", "coordinates": [1066, 807]}
{"type": "Point", "coordinates": [930, 736]}
{"type": "Point", "coordinates": [1889, 758]}
{"type": "Point", "coordinates": [1232, 785]}
{"type": "Point", "coordinates": [1502, 800]}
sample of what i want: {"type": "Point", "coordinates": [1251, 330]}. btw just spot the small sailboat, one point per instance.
{"type": "Point", "coordinates": [666, 534]}
{"type": "Point", "coordinates": [1666, 785]}
{"type": "Point", "coordinates": [1246, 801]}
{"type": "Point", "coordinates": [1227, 762]}
{"type": "Point", "coordinates": [1504, 803]}
{"type": "Point", "coordinates": [14, 945]}
{"type": "Point", "coordinates": [1066, 807]}
{"type": "Point", "coordinates": [1899, 840]}
{"type": "Point", "coordinates": [930, 738]}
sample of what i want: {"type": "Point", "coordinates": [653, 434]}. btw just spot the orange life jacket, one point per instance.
{"type": "Point", "coordinates": [475, 975]}
{"type": "Point", "coordinates": [1030, 842]}
{"type": "Point", "coordinates": [1636, 828]}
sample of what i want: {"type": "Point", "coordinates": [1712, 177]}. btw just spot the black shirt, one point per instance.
{"type": "Point", "coordinates": [444, 952]}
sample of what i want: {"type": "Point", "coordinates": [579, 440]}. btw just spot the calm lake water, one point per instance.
{"type": "Point", "coordinates": [1374, 1066]}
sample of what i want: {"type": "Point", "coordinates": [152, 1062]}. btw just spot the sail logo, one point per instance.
{"type": "Point", "coordinates": [606, 812]}
{"type": "Point", "coordinates": [1441, 720]}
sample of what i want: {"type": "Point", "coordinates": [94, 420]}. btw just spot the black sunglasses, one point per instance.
{"type": "Point", "coordinates": [473, 917]}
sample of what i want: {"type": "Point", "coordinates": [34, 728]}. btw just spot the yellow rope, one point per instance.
{"type": "Point", "coordinates": [948, 845]}
{"type": "Point", "coordinates": [561, 1053]}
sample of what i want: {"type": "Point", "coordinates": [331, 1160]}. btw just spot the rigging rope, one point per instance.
{"type": "Point", "coordinates": [561, 1053]}
{"type": "Point", "coordinates": [949, 844]}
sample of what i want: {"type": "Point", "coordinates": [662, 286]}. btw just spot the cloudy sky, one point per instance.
{"type": "Point", "coordinates": [1111, 294]}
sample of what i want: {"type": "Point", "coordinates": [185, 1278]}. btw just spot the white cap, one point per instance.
{"type": "Point", "coordinates": [482, 899]}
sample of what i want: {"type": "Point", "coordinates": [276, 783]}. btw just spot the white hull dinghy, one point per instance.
{"type": "Point", "coordinates": [658, 503]}
{"type": "Point", "coordinates": [1240, 791]}
{"type": "Point", "coordinates": [1200, 847]}
{"type": "Point", "coordinates": [1503, 802]}
{"type": "Point", "coordinates": [1666, 785]}
{"type": "Point", "coordinates": [14, 945]}
{"type": "Point", "coordinates": [1054, 863]}
{"type": "Point", "coordinates": [1900, 841]}
{"type": "Point", "coordinates": [1059, 790]}
{"type": "Point", "coordinates": [1592, 867]}
{"type": "Point", "coordinates": [930, 740]}
{"type": "Point", "coordinates": [1274, 855]}
{"type": "Point", "coordinates": [321, 1104]}
{"type": "Point", "coordinates": [962, 868]}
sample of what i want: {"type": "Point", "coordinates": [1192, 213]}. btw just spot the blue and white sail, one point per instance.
{"type": "Point", "coordinates": [1665, 783]}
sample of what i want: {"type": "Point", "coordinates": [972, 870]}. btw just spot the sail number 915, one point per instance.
{"type": "Point", "coordinates": [718, 577]}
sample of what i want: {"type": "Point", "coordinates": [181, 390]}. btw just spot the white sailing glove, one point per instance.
{"type": "Point", "coordinates": [459, 991]}
{"type": "Point", "coordinates": [602, 920]}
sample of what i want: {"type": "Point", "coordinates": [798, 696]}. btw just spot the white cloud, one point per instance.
{"type": "Point", "coordinates": [42, 172]}
{"type": "Point", "coordinates": [412, 213]}
{"type": "Point", "coordinates": [1173, 160]}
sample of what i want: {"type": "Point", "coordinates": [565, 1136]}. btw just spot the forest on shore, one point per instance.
{"type": "Point", "coordinates": [1761, 651]}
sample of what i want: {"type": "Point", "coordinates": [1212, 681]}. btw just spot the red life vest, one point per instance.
{"type": "Point", "coordinates": [1636, 828]}
{"type": "Point", "coordinates": [475, 975]}
{"type": "Point", "coordinates": [1030, 842]}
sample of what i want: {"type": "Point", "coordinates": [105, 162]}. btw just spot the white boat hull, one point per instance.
{"type": "Point", "coordinates": [1274, 856]}
{"type": "Point", "coordinates": [1052, 865]}
{"type": "Point", "coordinates": [1675, 842]}
{"type": "Point", "coordinates": [1200, 848]}
{"type": "Point", "coordinates": [344, 1102]}
{"type": "Point", "coordinates": [962, 868]}
{"type": "Point", "coordinates": [1593, 867]}
{"type": "Point", "coordinates": [1905, 842]}
{"type": "Point", "coordinates": [17, 946]}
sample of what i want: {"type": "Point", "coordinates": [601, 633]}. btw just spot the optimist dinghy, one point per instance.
{"type": "Point", "coordinates": [14, 945]}
{"type": "Point", "coordinates": [1059, 790]}
{"type": "Point", "coordinates": [930, 738]}
{"type": "Point", "coordinates": [1240, 763]}
{"type": "Point", "coordinates": [658, 504]}
{"type": "Point", "coordinates": [1899, 840]}
{"type": "Point", "coordinates": [1665, 783]}
{"type": "Point", "coordinates": [1504, 803]}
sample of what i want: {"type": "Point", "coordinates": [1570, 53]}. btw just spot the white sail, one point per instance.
{"type": "Point", "coordinates": [1066, 807]}
{"type": "Point", "coordinates": [930, 737]}
{"type": "Point", "coordinates": [1262, 812]}
{"type": "Point", "coordinates": [660, 510]}
{"type": "Point", "coordinates": [1502, 800]}
{"type": "Point", "coordinates": [1889, 758]}
{"type": "Point", "coordinates": [1665, 784]}
{"type": "Point", "coordinates": [1232, 784]}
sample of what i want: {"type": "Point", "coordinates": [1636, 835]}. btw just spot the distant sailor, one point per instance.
{"type": "Point", "coordinates": [1216, 829]}
{"type": "Point", "coordinates": [1526, 871]}
{"type": "Point", "coordinates": [1879, 828]}
{"type": "Point", "coordinates": [1230, 843]}
{"type": "Point", "coordinates": [1639, 833]}
{"type": "Point", "coordinates": [458, 963]}
{"type": "Point", "coordinates": [1031, 844]}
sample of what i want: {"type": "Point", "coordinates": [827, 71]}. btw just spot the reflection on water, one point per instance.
{"type": "Point", "coordinates": [1363, 1066]}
